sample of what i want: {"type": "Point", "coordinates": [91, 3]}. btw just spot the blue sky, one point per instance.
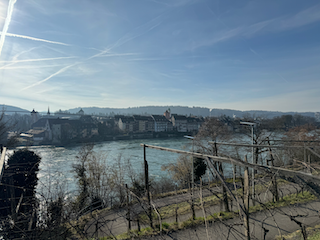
{"type": "Point", "coordinates": [244, 55]}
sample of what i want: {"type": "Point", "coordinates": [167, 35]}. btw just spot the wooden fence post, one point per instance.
{"type": "Point", "coordinates": [146, 177]}
{"type": "Point", "coordinates": [246, 200]}
{"type": "Point", "coordinates": [275, 192]}
{"type": "Point", "coordinates": [176, 208]}
{"type": "Point", "coordinates": [128, 208]}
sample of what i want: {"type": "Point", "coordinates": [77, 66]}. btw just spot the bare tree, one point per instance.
{"type": "Point", "coordinates": [6, 125]}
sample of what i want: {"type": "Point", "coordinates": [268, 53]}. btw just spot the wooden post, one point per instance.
{"type": "Point", "coordinates": [146, 177]}
{"type": "Point", "coordinates": [304, 153]}
{"type": "Point", "coordinates": [246, 201]}
{"type": "Point", "coordinates": [202, 206]}
{"type": "Point", "coordinates": [128, 208]}
{"type": "Point", "coordinates": [138, 223]}
{"type": "Point", "coordinates": [224, 190]}
{"type": "Point", "coordinates": [97, 229]}
{"type": "Point", "coordinates": [192, 204]}
{"type": "Point", "coordinates": [275, 192]}
{"type": "Point", "coordinates": [192, 182]}
{"type": "Point", "coordinates": [13, 200]}
{"type": "Point", "coordinates": [176, 209]}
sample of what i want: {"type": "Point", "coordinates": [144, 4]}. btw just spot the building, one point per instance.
{"type": "Point", "coordinates": [179, 122]}
{"type": "Point", "coordinates": [127, 124]}
{"type": "Point", "coordinates": [145, 123]}
{"type": "Point", "coordinates": [34, 116]}
{"type": "Point", "coordinates": [317, 116]}
{"type": "Point", "coordinates": [161, 124]}
{"type": "Point", "coordinates": [57, 130]}
{"type": "Point", "coordinates": [193, 124]}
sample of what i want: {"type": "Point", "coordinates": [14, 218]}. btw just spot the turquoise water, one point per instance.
{"type": "Point", "coordinates": [56, 163]}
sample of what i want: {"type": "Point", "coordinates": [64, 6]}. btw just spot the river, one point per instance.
{"type": "Point", "coordinates": [56, 162]}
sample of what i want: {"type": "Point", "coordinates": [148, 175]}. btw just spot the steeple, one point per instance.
{"type": "Point", "coordinates": [48, 113]}
{"type": "Point", "coordinates": [34, 116]}
{"type": "Point", "coordinates": [167, 114]}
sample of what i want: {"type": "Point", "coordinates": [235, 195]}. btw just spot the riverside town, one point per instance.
{"type": "Point", "coordinates": [63, 128]}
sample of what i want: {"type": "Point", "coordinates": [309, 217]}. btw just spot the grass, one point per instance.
{"type": "Point", "coordinates": [222, 216]}
{"type": "Point", "coordinates": [312, 232]}
{"type": "Point", "coordinates": [184, 207]}
{"type": "Point", "coordinates": [291, 199]}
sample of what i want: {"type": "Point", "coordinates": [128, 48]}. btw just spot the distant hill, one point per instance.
{"type": "Point", "coordinates": [11, 109]}
{"type": "Point", "coordinates": [182, 110]}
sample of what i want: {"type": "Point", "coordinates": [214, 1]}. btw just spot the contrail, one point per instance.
{"type": "Point", "coordinates": [15, 57]}
{"type": "Point", "coordinates": [52, 75]}
{"type": "Point", "coordinates": [118, 43]}
{"type": "Point", "coordinates": [6, 23]}
{"type": "Point", "coordinates": [118, 54]}
{"type": "Point", "coordinates": [32, 66]}
{"type": "Point", "coordinates": [64, 69]}
{"type": "Point", "coordinates": [139, 31]}
{"type": "Point", "coordinates": [31, 60]}
{"type": "Point", "coordinates": [36, 59]}
{"type": "Point", "coordinates": [32, 38]}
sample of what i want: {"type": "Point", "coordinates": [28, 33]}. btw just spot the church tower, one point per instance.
{"type": "Point", "coordinates": [34, 116]}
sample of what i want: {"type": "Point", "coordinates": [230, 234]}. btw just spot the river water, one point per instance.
{"type": "Point", "coordinates": [56, 162]}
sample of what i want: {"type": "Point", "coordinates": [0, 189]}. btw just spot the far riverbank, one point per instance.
{"type": "Point", "coordinates": [107, 138]}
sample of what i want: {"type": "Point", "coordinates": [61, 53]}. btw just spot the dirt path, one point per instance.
{"type": "Point", "coordinates": [114, 222]}
{"type": "Point", "coordinates": [274, 222]}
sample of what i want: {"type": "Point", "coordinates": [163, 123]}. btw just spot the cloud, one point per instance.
{"type": "Point", "coordinates": [6, 23]}
{"type": "Point", "coordinates": [33, 38]}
